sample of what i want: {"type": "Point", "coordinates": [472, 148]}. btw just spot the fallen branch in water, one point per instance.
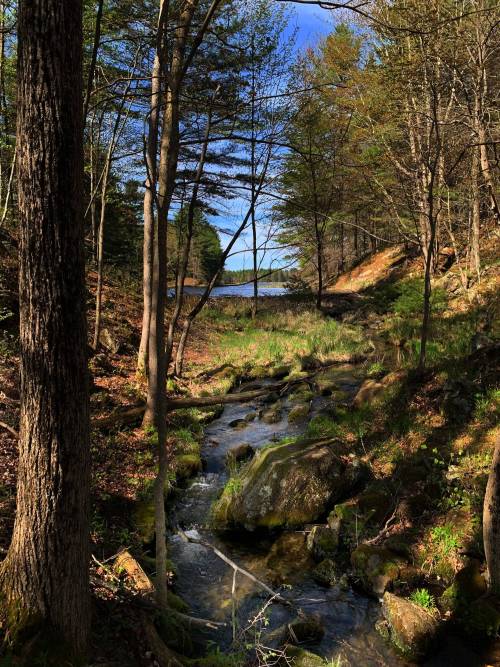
{"type": "Point", "coordinates": [125, 562]}
{"type": "Point", "coordinates": [235, 566]}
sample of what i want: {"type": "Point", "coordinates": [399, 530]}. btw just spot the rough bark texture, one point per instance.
{"type": "Point", "coordinates": [491, 523]}
{"type": "Point", "coordinates": [45, 574]}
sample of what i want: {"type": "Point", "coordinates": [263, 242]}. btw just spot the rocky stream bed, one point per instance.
{"type": "Point", "coordinates": [281, 530]}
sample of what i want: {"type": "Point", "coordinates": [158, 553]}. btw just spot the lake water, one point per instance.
{"type": "Point", "coordinates": [245, 291]}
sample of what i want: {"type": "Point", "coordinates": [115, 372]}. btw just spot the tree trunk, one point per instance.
{"type": "Point", "coordinates": [150, 190]}
{"type": "Point", "coordinates": [45, 574]}
{"type": "Point", "coordinates": [183, 263]}
{"type": "Point", "coordinates": [491, 523]}
{"type": "Point", "coordinates": [475, 258]}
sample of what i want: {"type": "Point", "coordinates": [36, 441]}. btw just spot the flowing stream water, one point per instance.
{"type": "Point", "coordinates": [206, 582]}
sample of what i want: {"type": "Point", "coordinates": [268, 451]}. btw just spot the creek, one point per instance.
{"type": "Point", "coordinates": [206, 582]}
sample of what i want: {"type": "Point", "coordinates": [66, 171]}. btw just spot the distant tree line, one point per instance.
{"type": "Point", "coordinates": [269, 275]}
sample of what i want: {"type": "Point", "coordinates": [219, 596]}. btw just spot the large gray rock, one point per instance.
{"type": "Point", "coordinates": [289, 485]}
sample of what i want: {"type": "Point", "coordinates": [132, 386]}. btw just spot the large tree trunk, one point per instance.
{"type": "Point", "coordinates": [45, 574]}
{"type": "Point", "coordinates": [491, 523]}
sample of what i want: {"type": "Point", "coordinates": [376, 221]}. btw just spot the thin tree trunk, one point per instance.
{"type": "Point", "coordinates": [186, 327]}
{"type": "Point", "coordinates": [491, 523]}
{"type": "Point", "coordinates": [151, 187]}
{"type": "Point", "coordinates": [255, 301]}
{"type": "Point", "coordinates": [45, 574]}
{"type": "Point", "coordinates": [475, 259]}
{"type": "Point", "coordinates": [115, 135]}
{"type": "Point", "coordinates": [156, 400]}
{"type": "Point", "coordinates": [183, 264]}
{"type": "Point", "coordinates": [93, 60]}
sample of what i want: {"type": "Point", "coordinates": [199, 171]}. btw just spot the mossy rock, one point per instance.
{"type": "Point", "coordinates": [469, 585]}
{"type": "Point", "coordinates": [481, 618]}
{"type": "Point", "coordinates": [323, 542]}
{"type": "Point", "coordinates": [258, 372]}
{"type": "Point", "coordinates": [239, 453]}
{"type": "Point", "coordinates": [279, 372]}
{"type": "Point", "coordinates": [299, 657]}
{"type": "Point", "coordinates": [288, 485]}
{"type": "Point", "coordinates": [187, 466]}
{"type": "Point", "coordinates": [295, 375]}
{"type": "Point", "coordinates": [143, 519]}
{"type": "Point", "coordinates": [376, 567]}
{"type": "Point", "coordinates": [410, 628]}
{"type": "Point", "coordinates": [309, 362]}
{"type": "Point", "coordinates": [326, 573]}
{"type": "Point", "coordinates": [299, 413]}
{"type": "Point", "coordinates": [369, 508]}
{"type": "Point", "coordinates": [272, 415]}
{"type": "Point", "coordinates": [326, 383]}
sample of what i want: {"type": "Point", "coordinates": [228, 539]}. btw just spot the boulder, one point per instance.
{"type": "Point", "coordinates": [299, 412]}
{"type": "Point", "coordinates": [410, 628]}
{"type": "Point", "coordinates": [325, 573]}
{"type": "Point", "coordinates": [469, 585]}
{"type": "Point", "coordinates": [109, 341]}
{"type": "Point", "coordinates": [187, 466]}
{"type": "Point", "coordinates": [289, 485]}
{"type": "Point", "coordinates": [354, 516]}
{"type": "Point", "coordinates": [372, 390]}
{"type": "Point", "coordinates": [239, 453]}
{"type": "Point", "coordinates": [323, 542]}
{"type": "Point", "coordinates": [271, 415]}
{"type": "Point", "coordinates": [376, 567]}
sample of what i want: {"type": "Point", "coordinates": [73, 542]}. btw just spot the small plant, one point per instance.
{"type": "Point", "coordinates": [376, 370]}
{"type": "Point", "coordinates": [445, 539]}
{"type": "Point", "coordinates": [423, 598]}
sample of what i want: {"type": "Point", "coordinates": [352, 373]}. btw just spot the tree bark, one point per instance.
{"type": "Point", "coordinates": [491, 523]}
{"type": "Point", "coordinates": [45, 574]}
{"type": "Point", "coordinates": [150, 190]}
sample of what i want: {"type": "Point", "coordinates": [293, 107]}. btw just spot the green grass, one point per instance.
{"type": "Point", "coordinates": [277, 337]}
{"type": "Point", "coordinates": [424, 599]}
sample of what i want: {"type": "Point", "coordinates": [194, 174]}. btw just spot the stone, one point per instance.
{"type": "Point", "coordinates": [305, 628]}
{"type": "Point", "coordinates": [323, 542]}
{"type": "Point", "coordinates": [239, 453]}
{"type": "Point", "coordinates": [376, 567]}
{"type": "Point", "coordinates": [272, 415]}
{"type": "Point", "coordinates": [109, 341]}
{"type": "Point", "coordinates": [299, 657]}
{"type": "Point", "coordinates": [288, 485]}
{"type": "Point", "coordinates": [288, 557]}
{"type": "Point", "coordinates": [325, 573]}
{"type": "Point", "coordinates": [187, 466]}
{"type": "Point", "coordinates": [299, 412]}
{"type": "Point", "coordinates": [481, 618]}
{"type": "Point", "coordinates": [410, 627]}
{"type": "Point", "coordinates": [469, 585]}
{"type": "Point", "coordinates": [238, 423]}
{"type": "Point", "coordinates": [374, 390]}
{"type": "Point", "coordinates": [250, 416]}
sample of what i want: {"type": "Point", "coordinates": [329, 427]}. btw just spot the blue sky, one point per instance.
{"type": "Point", "coordinates": [312, 23]}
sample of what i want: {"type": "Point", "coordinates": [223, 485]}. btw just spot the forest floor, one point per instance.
{"type": "Point", "coordinates": [431, 433]}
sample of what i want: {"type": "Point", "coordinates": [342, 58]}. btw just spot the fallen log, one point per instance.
{"type": "Point", "coordinates": [125, 562]}
{"type": "Point", "coordinates": [135, 413]}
